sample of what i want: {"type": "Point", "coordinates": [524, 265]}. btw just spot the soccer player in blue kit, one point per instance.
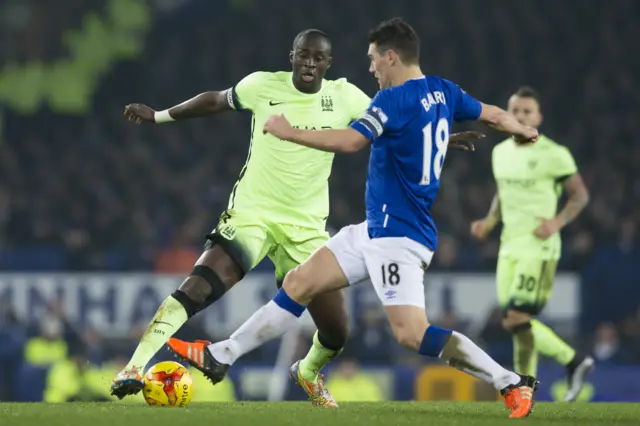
{"type": "Point", "coordinates": [408, 125]}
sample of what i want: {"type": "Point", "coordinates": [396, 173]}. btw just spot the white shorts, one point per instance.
{"type": "Point", "coordinates": [395, 266]}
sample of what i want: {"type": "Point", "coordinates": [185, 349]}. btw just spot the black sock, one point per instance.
{"type": "Point", "coordinates": [575, 362]}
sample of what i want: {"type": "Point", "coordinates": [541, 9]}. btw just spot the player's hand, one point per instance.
{"type": "Point", "coordinates": [529, 135]}
{"type": "Point", "coordinates": [278, 126]}
{"type": "Point", "coordinates": [463, 141]}
{"type": "Point", "coordinates": [547, 228]}
{"type": "Point", "coordinates": [139, 113]}
{"type": "Point", "coordinates": [480, 229]}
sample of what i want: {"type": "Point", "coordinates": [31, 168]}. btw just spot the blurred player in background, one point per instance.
{"type": "Point", "coordinates": [407, 125]}
{"type": "Point", "coordinates": [530, 180]}
{"type": "Point", "coordinates": [278, 207]}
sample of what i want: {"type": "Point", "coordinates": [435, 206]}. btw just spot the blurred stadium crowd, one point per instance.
{"type": "Point", "coordinates": [93, 192]}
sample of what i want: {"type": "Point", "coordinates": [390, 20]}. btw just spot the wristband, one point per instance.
{"type": "Point", "coordinates": [163, 116]}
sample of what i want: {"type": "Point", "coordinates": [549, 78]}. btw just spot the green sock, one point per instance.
{"type": "Point", "coordinates": [549, 344]}
{"type": "Point", "coordinates": [168, 319]}
{"type": "Point", "coordinates": [317, 357]}
{"type": "Point", "coordinates": [525, 357]}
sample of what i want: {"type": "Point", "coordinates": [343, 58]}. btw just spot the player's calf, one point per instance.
{"type": "Point", "coordinates": [412, 330]}
{"type": "Point", "coordinates": [524, 352]}
{"type": "Point", "coordinates": [514, 318]}
{"type": "Point", "coordinates": [329, 314]}
{"type": "Point", "coordinates": [409, 324]}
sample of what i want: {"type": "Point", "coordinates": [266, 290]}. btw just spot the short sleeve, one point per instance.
{"type": "Point", "coordinates": [563, 165]}
{"type": "Point", "coordinates": [466, 107]}
{"type": "Point", "coordinates": [376, 118]}
{"type": "Point", "coordinates": [244, 95]}
{"type": "Point", "coordinates": [357, 101]}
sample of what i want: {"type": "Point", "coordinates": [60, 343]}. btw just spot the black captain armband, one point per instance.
{"type": "Point", "coordinates": [374, 120]}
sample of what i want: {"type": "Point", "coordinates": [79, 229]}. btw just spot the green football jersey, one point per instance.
{"type": "Point", "coordinates": [529, 180]}
{"type": "Point", "coordinates": [283, 182]}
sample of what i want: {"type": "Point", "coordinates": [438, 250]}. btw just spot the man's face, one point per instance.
{"type": "Point", "coordinates": [526, 110]}
{"type": "Point", "coordinates": [310, 59]}
{"type": "Point", "coordinates": [380, 66]}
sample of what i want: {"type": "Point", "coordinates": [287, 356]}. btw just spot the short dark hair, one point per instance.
{"type": "Point", "coordinates": [528, 92]}
{"type": "Point", "coordinates": [311, 32]}
{"type": "Point", "coordinates": [397, 35]}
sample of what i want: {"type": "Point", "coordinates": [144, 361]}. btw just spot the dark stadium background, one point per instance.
{"type": "Point", "coordinates": [84, 191]}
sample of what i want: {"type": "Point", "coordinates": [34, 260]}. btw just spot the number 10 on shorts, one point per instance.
{"type": "Point", "coordinates": [390, 274]}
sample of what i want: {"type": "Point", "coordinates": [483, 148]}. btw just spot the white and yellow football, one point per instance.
{"type": "Point", "coordinates": [169, 384]}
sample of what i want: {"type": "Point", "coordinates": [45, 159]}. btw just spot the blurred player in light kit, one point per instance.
{"type": "Point", "coordinates": [530, 180]}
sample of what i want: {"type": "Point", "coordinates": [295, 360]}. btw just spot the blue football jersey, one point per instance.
{"type": "Point", "coordinates": [409, 126]}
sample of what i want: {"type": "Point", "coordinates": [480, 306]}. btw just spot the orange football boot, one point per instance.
{"type": "Point", "coordinates": [199, 356]}
{"type": "Point", "coordinates": [520, 398]}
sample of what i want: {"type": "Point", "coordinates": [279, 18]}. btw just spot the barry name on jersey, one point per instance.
{"type": "Point", "coordinates": [432, 99]}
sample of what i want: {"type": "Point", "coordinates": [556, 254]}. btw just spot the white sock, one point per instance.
{"type": "Point", "coordinates": [265, 324]}
{"type": "Point", "coordinates": [480, 375]}
{"type": "Point", "coordinates": [461, 353]}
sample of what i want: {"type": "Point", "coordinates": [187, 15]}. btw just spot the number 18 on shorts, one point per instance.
{"type": "Point", "coordinates": [395, 266]}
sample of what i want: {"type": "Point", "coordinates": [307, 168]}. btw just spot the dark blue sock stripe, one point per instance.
{"type": "Point", "coordinates": [283, 300]}
{"type": "Point", "coordinates": [434, 340]}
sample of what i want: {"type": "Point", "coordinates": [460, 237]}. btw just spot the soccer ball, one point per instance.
{"type": "Point", "coordinates": [168, 383]}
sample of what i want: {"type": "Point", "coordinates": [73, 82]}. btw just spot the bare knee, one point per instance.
{"type": "Point", "coordinates": [514, 319]}
{"type": "Point", "coordinates": [212, 276]}
{"type": "Point", "coordinates": [299, 286]}
{"type": "Point", "coordinates": [196, 289]}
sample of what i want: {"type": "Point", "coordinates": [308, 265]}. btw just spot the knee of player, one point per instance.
{"type": "Point", "coordinates": [514, 319]}
{"type": "Point", "coordinates": [203, 286]}
{"type": "Point", "coordinates": [296, 282]}
{"type": "Point", "coordinates": [196, 289]}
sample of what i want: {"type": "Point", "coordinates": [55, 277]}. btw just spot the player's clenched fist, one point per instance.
{"type": "Point", "coordinates": [480, 229]}
{"type": "Point", "coordinates": [278, 126]}
{"type": "Point", "coordinates": [547, 228]}
{"type": "Point", "coordinates": [529, 135]}
{"type": "Point", "coordinates": [139, 113]}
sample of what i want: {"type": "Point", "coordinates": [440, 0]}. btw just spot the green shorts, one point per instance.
{"type": "Point", "coordinates": [248, 238]}
{"type": "Point", "coordinates": [525, 285]}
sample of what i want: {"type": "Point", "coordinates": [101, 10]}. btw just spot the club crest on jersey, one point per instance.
{"type": "Point", "coordinates": [532, 163]}
{"type": "Point", "coordinates": [228, 231]}
{"type": "Point", "coordinates": [327, 103]}
{"type": "Point", "coordinates": [383, 117]}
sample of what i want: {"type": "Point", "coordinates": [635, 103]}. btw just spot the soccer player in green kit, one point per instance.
{"type": "Point", "coordinates": [530, 180]}
{"type": "Point", "coordinates": [278, 207]}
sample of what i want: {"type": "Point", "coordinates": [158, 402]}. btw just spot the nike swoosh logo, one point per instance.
{"type": "Point", "coordinates": [161, 322]}
{"type": "Point", "coordinates": [271, 103]}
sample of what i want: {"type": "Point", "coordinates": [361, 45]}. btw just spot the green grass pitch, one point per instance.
{"type": "Point", "coordinates": [300, 413]}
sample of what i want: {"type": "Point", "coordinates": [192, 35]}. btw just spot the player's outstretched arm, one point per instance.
{"type": "Point", "coordinates": [502, 121]}
{"type": "Point", "coordinates": [204, 104]}
{"type": "Point", "coordinates": [331, 140]}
